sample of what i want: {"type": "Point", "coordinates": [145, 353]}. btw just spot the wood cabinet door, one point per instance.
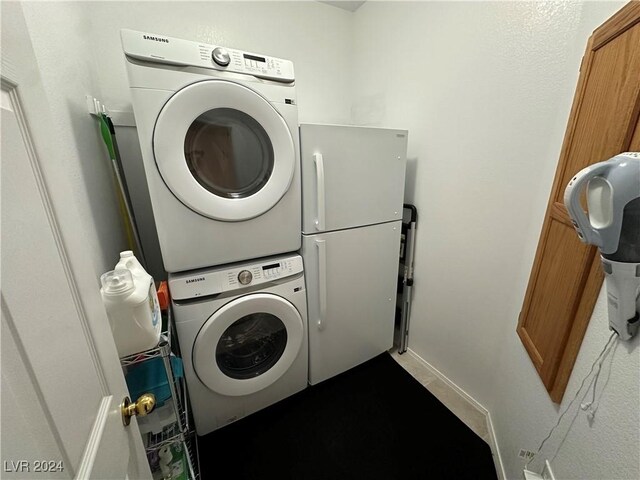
{"type": "Point", "coordinates": [566, 275]}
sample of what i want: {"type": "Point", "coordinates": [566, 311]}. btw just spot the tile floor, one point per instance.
{"type": "Point", "coordinates": [460, 406]}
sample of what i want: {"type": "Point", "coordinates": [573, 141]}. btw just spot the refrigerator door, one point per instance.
{"type": "Point", "coordinates": [351, 176]}
{"type": "Point", "coordinates": [351, 278]}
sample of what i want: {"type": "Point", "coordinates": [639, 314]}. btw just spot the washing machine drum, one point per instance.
{"type": "Point", "coordinates": [223, 150]}
{"type": "Point", "coordinates": [248, 344]}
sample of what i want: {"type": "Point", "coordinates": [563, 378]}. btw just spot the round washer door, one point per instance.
{"type": "Point", "coordinates": [248, 344]}
{"type": "Point", "coordinates": [223, 150]}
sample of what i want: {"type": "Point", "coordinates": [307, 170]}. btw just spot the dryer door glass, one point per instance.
{"type": "Point", "coordinates": [228, 153]}
{"type": "Point", "coordinates": [251, 345]}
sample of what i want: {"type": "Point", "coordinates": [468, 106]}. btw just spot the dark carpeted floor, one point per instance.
{"type": "Point", "coordinates": [373, 422]}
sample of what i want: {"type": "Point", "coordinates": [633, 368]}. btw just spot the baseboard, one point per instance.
{"type": "Point", "coordinates": [449, 382]}
{"type": "Point", "coordinates": [495, 449]}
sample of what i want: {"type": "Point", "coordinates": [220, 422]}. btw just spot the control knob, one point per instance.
{"type": "Point", "coordinates": [245, 277]}
{"type": "Point", "coordinates": [221, 56]}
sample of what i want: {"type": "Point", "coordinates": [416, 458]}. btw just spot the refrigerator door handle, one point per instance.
{"type": "Point", "coordinates": [317, 159]}
{"type": "Point", "coordinates": [322, 282]}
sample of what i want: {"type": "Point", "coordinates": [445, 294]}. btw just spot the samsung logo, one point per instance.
{"type": "Point", "coordinates": [156, 39]}
{"type": "Point", "coordinates": [197, 279]}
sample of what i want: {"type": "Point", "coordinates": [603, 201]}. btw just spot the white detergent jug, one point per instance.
{"type": "Point", "coordinates": [131, 301]}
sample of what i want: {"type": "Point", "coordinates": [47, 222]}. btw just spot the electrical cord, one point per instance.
{"type": "Point", "coordinates": [591, 407]}
{"type": "Point", "coordinates": [598, 361]}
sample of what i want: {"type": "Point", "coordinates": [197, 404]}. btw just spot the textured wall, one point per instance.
{"type": "Point", "coordinates": [485, 91]}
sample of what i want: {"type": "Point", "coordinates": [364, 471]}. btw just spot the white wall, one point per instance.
{"type": "Point", "coordinates": [479, 91]}
{"type": "Point", "coordinates": [59, 33]}
{"type": "Point", "coordinates": [316, 37]}
{"type": "Point", "coordinates": [485, 91]}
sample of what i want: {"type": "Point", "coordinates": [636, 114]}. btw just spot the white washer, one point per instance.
{"type": "Point", "coordinates": [242, 331]}
{"type": "Point", "coordinates": [218, 134]}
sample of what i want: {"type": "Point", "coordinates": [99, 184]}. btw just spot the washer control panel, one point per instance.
{"type": "Point", "coordinates": [202, 283]}
{"type": "Point", "coordinates": [150, 47]}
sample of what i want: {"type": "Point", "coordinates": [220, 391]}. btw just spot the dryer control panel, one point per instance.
{"type": "Point", "coordinates": [150, 47]}
{"type": "Point", "coordinates": [205, 282]}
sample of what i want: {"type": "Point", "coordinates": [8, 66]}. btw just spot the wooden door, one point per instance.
{"type": "Point", "coordinates": [566, 276]}
{"type": "Point", "coordinates": [62, 385]}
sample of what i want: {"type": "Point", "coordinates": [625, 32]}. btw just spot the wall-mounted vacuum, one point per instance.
{"type": "Point", "coordinates": [612, 225]}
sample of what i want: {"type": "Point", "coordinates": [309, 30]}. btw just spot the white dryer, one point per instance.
{"type": "Point", "coordinates": [218, 134]}
{"type": "Point", "coordinates": [242, 331]}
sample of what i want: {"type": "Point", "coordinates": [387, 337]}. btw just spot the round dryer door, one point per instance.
{"type": "Point", "coordinates": [223, 150]}
{"type": "Point", "coordinates": [248, 344]}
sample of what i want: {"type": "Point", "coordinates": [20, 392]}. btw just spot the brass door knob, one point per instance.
{"type": "Point", "coordinates": [141, 407]}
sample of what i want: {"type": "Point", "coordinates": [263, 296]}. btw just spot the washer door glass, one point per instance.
{"type": "Point", "coordinates": [228, 153]}
{"type": "Point", "coordinates": [223, 150]}
{"type": "Point", "coordinates": [248, 344]}
{"type": "Point", "coordinates": [251, 345]}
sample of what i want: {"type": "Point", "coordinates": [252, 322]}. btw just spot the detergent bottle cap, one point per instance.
{"type": "Point", "coordinates": [117, 282]}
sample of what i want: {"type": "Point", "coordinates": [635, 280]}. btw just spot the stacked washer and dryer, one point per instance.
{"type": "Point", "coordinates": [218, 130]}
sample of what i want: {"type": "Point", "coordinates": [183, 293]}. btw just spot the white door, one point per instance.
{"type": "Point", "coordinates": [351, 176]}
{"type": "Point", "coordinates": [224, 150]}
{"type": "Point", "coordinates": [248, 344]}
{"type": "Point", "coordinates": [62, 384]}
{"type": "Point", "coordinates": [351, 280]}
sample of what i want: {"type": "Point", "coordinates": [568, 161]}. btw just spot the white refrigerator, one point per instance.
{"type": "Point", "coordinates": [352, 196]}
